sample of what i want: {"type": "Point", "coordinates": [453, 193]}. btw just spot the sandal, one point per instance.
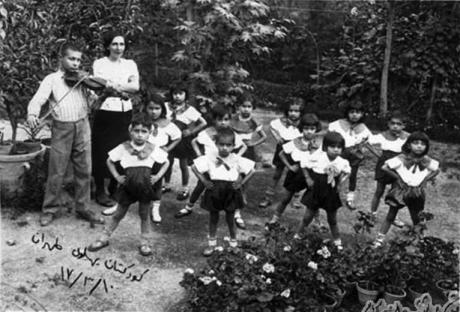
{"type": "Point", "coordinates": [98, 245]}
{"type": "Point", "coordinates": [145, 250]}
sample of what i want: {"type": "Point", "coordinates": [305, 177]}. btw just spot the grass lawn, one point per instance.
{"type": "Point", "coordinates": [32, 274]}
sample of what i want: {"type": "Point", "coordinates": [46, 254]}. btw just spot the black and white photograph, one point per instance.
{"type": "Point", "coordinates": [230, 155]}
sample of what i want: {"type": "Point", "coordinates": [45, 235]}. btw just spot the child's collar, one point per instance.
{"type": "Point", "coordinates": [288, 122]}
{"type": "Point", "coordinates": [142, 152]}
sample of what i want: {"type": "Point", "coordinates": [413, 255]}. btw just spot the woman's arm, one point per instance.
{"type": "Point", "coordinates": [390, 172]}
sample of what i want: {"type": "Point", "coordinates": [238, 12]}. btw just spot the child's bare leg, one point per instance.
{"type": "Point", "coordinates": [306, 220]}
{"type": "Point", "coordinates": [213, 222]}
{"type": "Point", "coordinates": [332, 220]}
{"type": "Point", "coordinates": [115, 220]}
{"type": "Point", "coordinates": [391, 216]}
{"type": "Point", "coordinates": [144, 214]}
{"type": "Point", "coordinates": [271, 190]}
{"type": "Point", "coordinates": [168, 173]}
{"type": "Point", "coordinates": [377, 196]}
{"type": "Point", "coordinates": [212, 241]}
{"type": "Point", "coordinates": [286, 197]}
{"type": "Point", "coordinates": [230, 218]}
{"type": "Point", "coordinates": [183, 163]}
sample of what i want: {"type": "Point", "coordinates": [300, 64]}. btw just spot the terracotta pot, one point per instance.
{"type": "Point", "coordinates": [366, 291]}
{"type": "Point", "coordinates": [413, 294]}
{"type": "Point", "coordinates": [12, 168]}
{"type": "Point", "coordinates": [5, 148]}
{"type": "Point", "coordinates": [27, 147]}
{"type": "Point", "coordinates": [391, 297]}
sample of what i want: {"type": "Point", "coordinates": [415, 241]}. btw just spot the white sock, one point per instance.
{"type": "Point", "coordinates": [233, 243]}
{"type": "Point", "coordinates": [351, 196]}
{"type": "Point", "coordinates": [189, 206]}
{"type": "Point", "coordinates": [237, 213]}
{"type": "Point", "coordinates": [212, 242]}
{"type": "Point", "coordinates": [156, 211]}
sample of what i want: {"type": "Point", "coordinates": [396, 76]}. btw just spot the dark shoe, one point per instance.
{"type": "Point", "coordinates": [145, 250]}
{"type": "Point", "coordinates": [182, 213]}
{"type": "Point", "coordinates": [183, 195]}
{"type": "Point", "coordinates": [104, 200]}
{"type": "Point", "coordinates": [98, 245]}
{"type": "Point", "coordinates": [90, 216]}
{"type": "Point", "coordinates": [46, 218]}
{"type": "Point", "coordinates": [165, 189]}
{"type": "Point", "coordinates": [240, 223]}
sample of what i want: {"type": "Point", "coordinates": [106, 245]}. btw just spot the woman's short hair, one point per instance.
{"type": "Point", "coordinates": [107, 39]}
{"type": "Point", "coordinates": [309, 119]}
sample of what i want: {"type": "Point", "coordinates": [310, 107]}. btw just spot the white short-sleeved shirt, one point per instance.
{"type": "Point", "coordinates": [188, 116]}
{"type": "Point", "coordinates": [121, 154]}
{"type": "Point", "coordinates": [319, 161]}
{"type": "Point", "coordinates": [387, 145]}
{"type": "Point", "coordinates": [204, 138]}
{"type": "Point", "coordinates": [165, 134]}
{"type": "Point", "coordinates": [297, 154]}
{"type": "Point", "coordinates": [116, 72]}
{"type": "Point", "coordinates": [412, 176]}
{"type": "Point", "coordinates": [352, 136]}
{"type": "Point", "coordinates": [237, 165]}
{"type": "Point", "coordinates": [288, 133]}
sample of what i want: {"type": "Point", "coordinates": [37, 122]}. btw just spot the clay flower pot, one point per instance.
{"type": "Point", "coordinates": [394, 293]}
{"type": "Point", "coordinates": [367, 290]}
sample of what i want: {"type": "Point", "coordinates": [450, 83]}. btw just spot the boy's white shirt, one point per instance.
{"type": "Point", "coordinates": [353, 136]}
{"type": "Point", "coordinates": [408, 175]}
{"type": "Point", "coordinates": [238, 165]}
{"type": "Point", "coordinates": [287, 133]}
{"type": "Point", "coordinates": [121, 154]}
{"type": "Point", "coordinates": [319, 161]}
{"type": "Point", "coordinates": [209, 144]}
{"type": "Point", "coordinates": [387, 145]}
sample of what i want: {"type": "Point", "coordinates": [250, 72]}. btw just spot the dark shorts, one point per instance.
{"type": "Point", "coordinates": [295, 181]}
{"type": "Point", "coordinates": [137, 187]}
{"type": "Point", "coordinates": [222, 197]}
{"type": "Point", "coordinates": [322, 194]}
{"type": "Point", "coordinates": [380, 175]}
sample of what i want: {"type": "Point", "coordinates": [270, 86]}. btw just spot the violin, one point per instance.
{"type": "Point", "coordinates": [94, 83]}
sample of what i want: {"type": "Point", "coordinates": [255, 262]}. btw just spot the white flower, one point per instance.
{"type": "Point", "coordinates": [372, 2]}
{"type": "Point", "coordinates": [211, 272]}
{"type": "Point", "coordinates": [219, 248]}
{"type": "Point", "coordinates": [219, 283]}
{"type": "Point", "coordinates": [286, 293]}
{"type": "Point", "coordinates": [206, 280]}
{"type": "Point", "coordinates": [268, 268]}
{"type": "Point", "coordinates": [312, 265]}
{"type": "Point", "coordinates": [287, 248]}
{"type": "Point", "coordinates": [324, 252]}
{"type": "Point", "coordinates": [226, 238]}
{"type": "Point", "coordinates": [455, 251]}
{"type": "Point", "coordinates": [268, 281]}
{"type": "Point", "coordinates": [251, 258]}
{"type": "Point", "coordinates": [189, 271]}
{"type": "Point", "coordinates": [354, 11]}
{"type": "Point", "coordinates": [263, 276]}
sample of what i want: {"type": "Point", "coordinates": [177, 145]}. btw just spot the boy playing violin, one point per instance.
{"type": "Point", "coordinates": [71, 138]}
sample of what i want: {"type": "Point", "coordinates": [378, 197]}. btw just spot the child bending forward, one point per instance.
{"type": "Point", "coordinates": [137, 184]}
{"type": "Point", "coordinates": [227, 173]}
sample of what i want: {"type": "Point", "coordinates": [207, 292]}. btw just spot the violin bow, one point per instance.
{"type": "Point", "coordinates": [51, 109]}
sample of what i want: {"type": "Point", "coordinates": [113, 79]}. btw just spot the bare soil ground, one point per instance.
{"type": "Point", "coordinates": [33, 277]}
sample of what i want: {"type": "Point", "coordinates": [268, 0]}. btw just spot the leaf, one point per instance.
{"type": "Point", "coordinates": [265, 297]}
{"type": "Point", "coordinates": [3, 12]}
